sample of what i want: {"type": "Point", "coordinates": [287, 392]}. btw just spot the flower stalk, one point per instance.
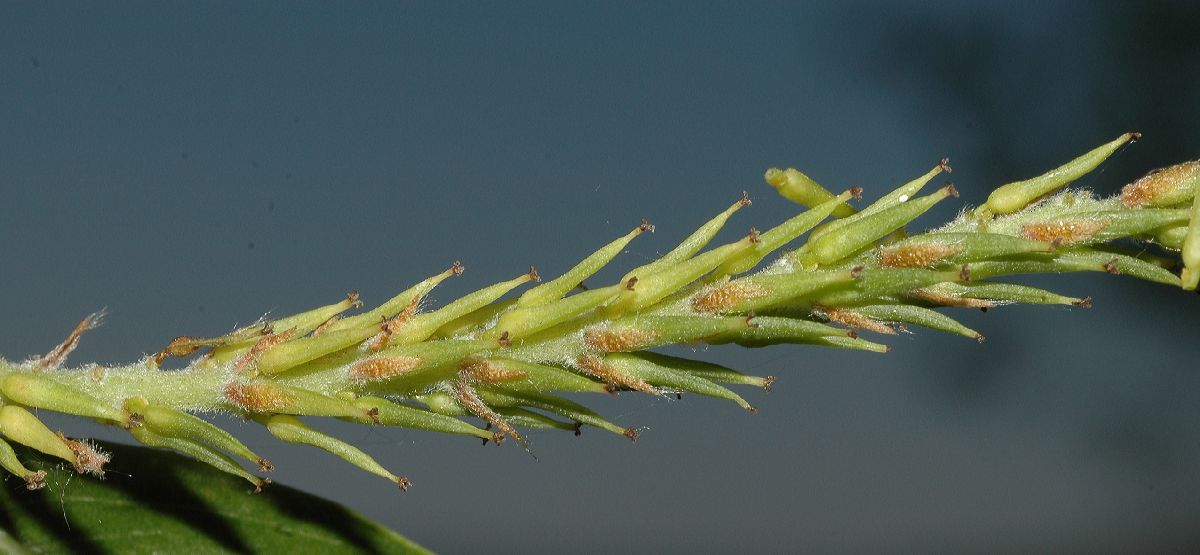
{"type": "Point", "coordinates": [495, 361]}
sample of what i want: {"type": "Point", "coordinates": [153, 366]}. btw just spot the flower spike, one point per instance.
{"type": "Point", "coordinates": [510, 363]}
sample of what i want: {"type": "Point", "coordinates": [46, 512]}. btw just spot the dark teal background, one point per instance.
{"type": "Point", "coordinates": [193, 166]}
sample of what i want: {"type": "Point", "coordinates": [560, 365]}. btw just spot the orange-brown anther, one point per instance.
{"type": "Point", "coordinates": [916, 256]}
{"type": "Point", "coordinates": [135, 421]}
{"type": "Point", "coordinates": [59, 353]}
{"type": "Point", "coordinates": [409, 310]}
{"type": "Point", "coordinates": [181, 346]}
{"type": "Point", "coordinates": [261, 347]}
{"type": "Point", "coordinates": [258, 396]}
{"type": "Point", "coordinates": [951, 300]}
{"type": "Point", "coordinates": [486, 371]}
{"type": "Point", "coordinates": [88, 459]}
{"type": "Point", "coordinates": [353, 300]}
{"type": "Point", "coordinates": [35, 480]}
{"type": "Point", "coordinates": [1154, 185]}
{"type": "Point", "coordinates": [728, 295]}
{"type": "Point", "coordinates": [395, 322]}
{"type": "Point", "coordinates": [850, 318]}
{"type": "Point", "coordinates": [596, 367]}
{"type": "Point", "coordinates": [325, 325]}
{"type": "Point", "coordinates": [383, 368]}
{"type": "Point", "coordinates": [469, 400]}
{"type": "Point", "coordinates": [612, 340]}
{"type": "Point", "coordinates": [1064, 231]}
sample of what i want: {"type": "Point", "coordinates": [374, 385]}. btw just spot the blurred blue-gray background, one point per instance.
{"type": "Point", "coordinates": [193, 166]}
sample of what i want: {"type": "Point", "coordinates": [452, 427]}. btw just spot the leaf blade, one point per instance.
{"type": "Point", "coordinates": [152, 500]}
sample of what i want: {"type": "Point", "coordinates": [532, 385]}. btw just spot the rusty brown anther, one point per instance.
{"type": "Point", "coordinates": [135, 421]}
{"type": "Point", "coordinates": [58, 354]}
{"type": "Point", "coordinates": [321, 329]}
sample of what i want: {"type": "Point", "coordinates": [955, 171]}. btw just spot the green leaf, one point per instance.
{"type": "Point", "coordinates": [157, 501]}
